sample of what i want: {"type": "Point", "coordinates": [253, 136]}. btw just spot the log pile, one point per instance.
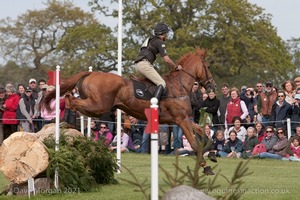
{"type": "Point", "coordinates": [24, 155]}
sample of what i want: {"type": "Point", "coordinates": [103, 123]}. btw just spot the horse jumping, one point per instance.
{"type": "Point", "coordinates": [100, 92]}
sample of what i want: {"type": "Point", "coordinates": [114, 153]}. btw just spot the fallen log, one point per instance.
{"type": "Point", "coordinates": [22, 155]}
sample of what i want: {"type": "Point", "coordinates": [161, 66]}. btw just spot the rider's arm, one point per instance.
{"type": "Point", "coordinates": [170, 62]}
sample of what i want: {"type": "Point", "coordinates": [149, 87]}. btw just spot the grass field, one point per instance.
{"type": "Point", "coordinates": [271, 179]}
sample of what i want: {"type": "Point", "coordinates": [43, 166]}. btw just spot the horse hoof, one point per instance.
{"type": "Point", "coordinates": [212, 156]}
{"type": "Point", "coordinates": [207, 171]}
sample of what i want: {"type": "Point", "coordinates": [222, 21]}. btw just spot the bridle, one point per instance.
{"type": "Point", "coordinates": [208, 79]}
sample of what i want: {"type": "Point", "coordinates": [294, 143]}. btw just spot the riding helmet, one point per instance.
{"type": "Point", "coordinates": [161, 28]}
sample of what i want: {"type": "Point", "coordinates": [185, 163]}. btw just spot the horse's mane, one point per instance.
{"type": "Point", "coordinates": [198, 52]}
{"type": "Point", "coordinates": [183, 59]}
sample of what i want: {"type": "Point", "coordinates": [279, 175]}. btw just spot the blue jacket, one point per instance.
{"type": "Point", "coordinates": [280, 114]}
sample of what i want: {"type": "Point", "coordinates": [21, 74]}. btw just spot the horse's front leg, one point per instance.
{"type": "Point", "coordinates": [207, 143]}
{"type": "Point", "coordinates": [187, 127]}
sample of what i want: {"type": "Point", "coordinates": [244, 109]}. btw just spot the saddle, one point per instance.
{"type": "Point", "coordinates": [144, 88]}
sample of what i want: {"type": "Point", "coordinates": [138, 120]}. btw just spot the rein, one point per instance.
{"type": "Point", "coordinates": [208, 80]}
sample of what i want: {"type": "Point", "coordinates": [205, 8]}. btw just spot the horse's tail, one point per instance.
{"type": "Point", "coordinates": [67, 86]}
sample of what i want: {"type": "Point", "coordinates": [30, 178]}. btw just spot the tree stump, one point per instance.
{"type": "Point", "coordinates": [22, 155]}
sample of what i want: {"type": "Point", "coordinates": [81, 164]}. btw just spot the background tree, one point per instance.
{"type": "Point", "coordinates": [294, 49]}
{"type": "Point", "coordinates": [240, 38]}
{"type": "Point", "coordinates": [88, 45]}
{"type": "Point", "coordinates": [32, 40]}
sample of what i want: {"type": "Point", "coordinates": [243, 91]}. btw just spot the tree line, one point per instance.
{"type": "Point", "coordinates": [243, 46]}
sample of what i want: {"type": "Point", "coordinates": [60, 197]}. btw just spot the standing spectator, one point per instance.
{"type": "Point", "coordinates": [204, 96]}
{"type": "Point", "coordinates": [32, 85]}
{"type": "Point", "coordinates": [289, 90]}
{"type": "Point", "coordinates": [2, 100]}
{"type": "Point", "coordinates": [38, 106]}
{"type": "Point", "coordinates": [249, 97]}
{"type": "Point", "coordinates": [235, 107]}
{"type": "Point", "coordinates": [278, 149]}
{"type": "Point", "coordinates": [281, 110]}
{"type": "Point", "coordinates": [70, 116]}
{"type": "Point", "coordinates": [270, 139]}
{"type": "Point", "coordinates": [21, 89]}
{"type": "Point", "coordinates": [265, 103]}
{"type": "Point", "coordinates": [25, 111]}
{"type": "Point", "coordinates": [233, 146]}
{"type": "Point", "coordinates": [196, 102]}
{"type": "Point", "coordinates": [49, 115]}
{"type": "Point", "coordinates": [250, 142]}
{"type": "Point", "coordinates": [41, 84]}
{"type": "Point", "coordinates": [177, 136]}
{"type": "Point", "coordinates": [163, 138]}
{"type": "Point", "coordinates": [224, 99]}
{"type": "Point", "coordinates": [295, 117]}
{"type": "Point", "coordinates": [10, 123]}
{"type": "Point", "coordinates": [297, 81]}
{"type": "Point", "coordinates": [259, 89]}
{"type": "Point", "coordinates": [211, 105]}
{"type": "Point", "coordinates": [238, 128]}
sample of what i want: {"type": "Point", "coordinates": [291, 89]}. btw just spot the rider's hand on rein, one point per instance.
{"type": "Point", "coordinates": [179, 67]}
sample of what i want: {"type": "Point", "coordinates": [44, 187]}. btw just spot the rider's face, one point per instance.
{"type": "Point", "coordinates": [165, 36]}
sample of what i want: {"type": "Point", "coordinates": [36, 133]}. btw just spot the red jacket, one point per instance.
{"type": "Point", "coordinates": [10, 112]}
{"type": "Point", "coordinates": [233, 109]}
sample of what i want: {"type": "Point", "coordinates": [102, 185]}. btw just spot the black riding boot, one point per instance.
{"type": "Point", "coordinates": [158, 93]}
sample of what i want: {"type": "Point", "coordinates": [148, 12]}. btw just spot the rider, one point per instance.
{"type": "Point", "coordinates": [150, 48]}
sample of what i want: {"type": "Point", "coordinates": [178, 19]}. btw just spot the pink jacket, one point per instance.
{"type": "Point", "coordinates": [49, 115]}
{"type": "Point", "coordinates": [296, 150]}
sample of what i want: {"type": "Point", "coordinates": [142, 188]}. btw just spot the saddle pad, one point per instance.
{"type": "Point", "coordinates": [145, 91]}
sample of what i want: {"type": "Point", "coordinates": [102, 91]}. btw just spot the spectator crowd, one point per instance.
{"type": "Point", "coordinates": [239, 123]}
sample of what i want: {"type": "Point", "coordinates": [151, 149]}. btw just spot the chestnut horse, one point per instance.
{"type": "Point", "coordinates": [101, 91]}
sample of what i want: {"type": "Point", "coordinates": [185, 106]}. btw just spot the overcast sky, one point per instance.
{"type": "Point", "coordinates": [285, 12]}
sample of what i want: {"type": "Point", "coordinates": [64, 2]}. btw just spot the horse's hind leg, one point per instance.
{"type": "Point", "coordinates": [84, 106]}
{"type": "Point", "coordinates": [187, 127]}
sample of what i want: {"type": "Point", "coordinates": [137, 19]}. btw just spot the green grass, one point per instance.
{"type": "Point", "coordinates": [271, 179]}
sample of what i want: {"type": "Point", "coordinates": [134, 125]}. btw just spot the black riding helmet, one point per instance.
{"type": "Point", "coordinates": [161, 28]}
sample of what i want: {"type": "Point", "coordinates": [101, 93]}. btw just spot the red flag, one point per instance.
{"type": "Point", "coordinates": [52, 78]}
{"type": "Point", "coordinates": [152, 120]}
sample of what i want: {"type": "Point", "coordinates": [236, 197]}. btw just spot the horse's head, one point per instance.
{"type": "Point", "coordinates": [196, 63]}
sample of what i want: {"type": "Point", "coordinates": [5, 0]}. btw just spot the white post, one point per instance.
{"type": "Point", "coordinates": [31, 187]}
{"type": "Point", "coordinates": [289, 129]}
{"type": "Point", "coordinates": [120, 74]}
{"type": "Point", "coordinates": [89, 119]}
{"type": "Point", "coordinates": [57, 120]}
{"type": "Point", "coordinates": [154, 158]}
{"type": "Point", "coordinates": [82, 124]}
